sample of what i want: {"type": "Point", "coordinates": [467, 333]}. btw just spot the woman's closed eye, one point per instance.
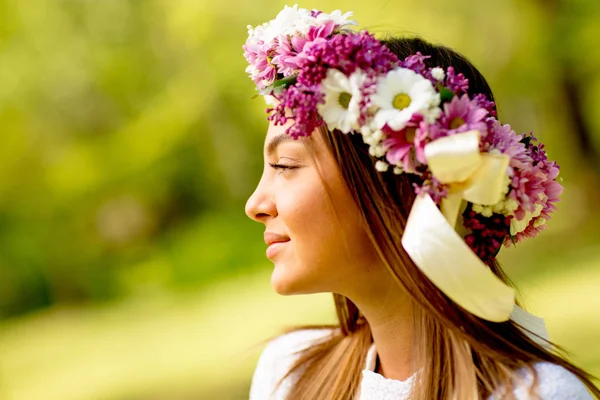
{"type": "Point", "coordinates": [282, 167]}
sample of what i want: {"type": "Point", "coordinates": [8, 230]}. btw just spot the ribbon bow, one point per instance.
{"type": "Point", "coordinates": [471, 175]}
{"type": "Point", "coordinates": [431, 240]}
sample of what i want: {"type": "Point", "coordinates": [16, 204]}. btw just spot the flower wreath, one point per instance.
{"type": "Point", "coordinates": [415, 120]}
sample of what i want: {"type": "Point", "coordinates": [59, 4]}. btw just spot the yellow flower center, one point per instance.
{"type": "Point", "coordinates": [344, 99]}
{"type": "Point", "coordinates": [410, 134]}
{"type": "Point", "coordinates": [401, 101]}
{"type": "Point", "coordinates": [270, 56]}
{"type": "Point", "coordinates": [457, 123]}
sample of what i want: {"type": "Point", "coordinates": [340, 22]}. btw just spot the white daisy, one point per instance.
{"type": "Point", "coordinates": [402, 93]}
{"type": "Point", "coordinates": [342, 100]}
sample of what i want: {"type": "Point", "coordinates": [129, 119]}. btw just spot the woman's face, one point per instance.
{"type": "Point", "coordinates": [312, 226]}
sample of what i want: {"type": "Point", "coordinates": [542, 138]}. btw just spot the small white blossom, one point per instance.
{"type": "Point", "coordinates": [377, 151]}
{"type": "Point", "coordinates": [373, 138]}
{"type": "Point", "coordinates": [381, 166]}
{"type": "Point", "coordinates": [365, 130]}
{"type": "Point", "coordinates": [398, 170]}
{"type": "Point", "coordinates": [438, 74]}
{"type": "Point", "coordinates": [487, 212]}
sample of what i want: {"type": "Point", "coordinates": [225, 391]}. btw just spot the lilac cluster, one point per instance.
{"type": "Point", "coordinates": [345, 52]}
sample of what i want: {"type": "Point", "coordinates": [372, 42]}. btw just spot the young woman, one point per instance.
{"type": "Point", "coordinates": [390, 182]}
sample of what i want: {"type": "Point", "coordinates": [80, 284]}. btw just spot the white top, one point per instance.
{"type": "Point", "coordinates": [554, 382]}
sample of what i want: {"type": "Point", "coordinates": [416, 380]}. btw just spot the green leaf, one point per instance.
{"type": "Point", "coordinates": [446, 94]}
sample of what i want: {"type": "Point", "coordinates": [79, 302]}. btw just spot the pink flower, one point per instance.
{"type": "Point", "coordinates": [288, 52]}
{"type": "Point", "coordinates": [503, 139]}
{"type": "Point", "coordinates": [461, 114]}
{"type": "Point", "coordinates": [285, 57]}
{"type": "Point", "coordinates": [406, 148]}
{"type": "Point", "coordinates": [261, 69]}
{"type": "Point", "coordinates": [527, 186]}
{"type": "Point", "coordinates": [533, 229]}
{"type": "Point", "coordinates": [314, 33]}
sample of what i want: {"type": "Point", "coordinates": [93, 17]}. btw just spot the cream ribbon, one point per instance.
{"type": "Point", "coordinates": [430, 238]}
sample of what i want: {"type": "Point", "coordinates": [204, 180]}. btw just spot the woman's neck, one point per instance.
{"type": "Point", "coordinates": [389, 313]}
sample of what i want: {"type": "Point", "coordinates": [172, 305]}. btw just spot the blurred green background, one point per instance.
{"type": "Point", "coordinates": [128, 270]}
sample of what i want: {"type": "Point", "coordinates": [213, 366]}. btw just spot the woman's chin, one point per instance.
{"type": "Point", "coordinates": [286, 282]}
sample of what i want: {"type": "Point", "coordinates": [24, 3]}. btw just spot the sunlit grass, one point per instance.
{"type": "Point", "coordinates": [169, 346]}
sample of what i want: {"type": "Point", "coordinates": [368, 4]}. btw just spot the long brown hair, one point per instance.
{"type": "Point", "coordinates": [458, 355]}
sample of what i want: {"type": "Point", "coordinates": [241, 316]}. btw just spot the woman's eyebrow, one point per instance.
{"type": "Point", "coordinates": [276, 141]}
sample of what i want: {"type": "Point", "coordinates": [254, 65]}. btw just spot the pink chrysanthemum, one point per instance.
{"type": "Point", "coordinates": [527, 188]}
{"type": "Point", "coordinates": [262, 70]}
{"type": "Point", "coordinates": [536, 186]}
{"type": "Point", "coordinates": [288, 50]}
{"type": "Point", "coordinates": [503, 139]}
{"type": "Point", "coordinates": [461, 114]}
{"type": "Point", "coordinates": [406, 148]}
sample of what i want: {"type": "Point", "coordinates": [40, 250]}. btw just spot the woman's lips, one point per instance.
{"type": "Point", "coordinates": [275, 243]}
{"type": "Point", "coordinates": [274, 248]}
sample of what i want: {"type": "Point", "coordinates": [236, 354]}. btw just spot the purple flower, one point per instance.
{"type": "Point", "coordinates": [416, 62]}
{"type": "Point", "coordinates": [457, 83]}
{"type": "Point", "coordinates": [345, 52]}
{"type": "Point", "coordinates": [483, 102]}
{"type": "Point", "coordinates": [461, 114]}
{"type": "Point", "coordinates": [303, 101]}
{"type": "Point", "coordinates": [503, 139]}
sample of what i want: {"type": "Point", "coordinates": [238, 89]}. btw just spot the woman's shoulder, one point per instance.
{"type": "Point", "coordinates": [554, 382]}
{"type": "Point", "coordinates": [277, 359]}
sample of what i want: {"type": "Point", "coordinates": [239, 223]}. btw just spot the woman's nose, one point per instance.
{"type": "Point", "coordinates": [260, 205]}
